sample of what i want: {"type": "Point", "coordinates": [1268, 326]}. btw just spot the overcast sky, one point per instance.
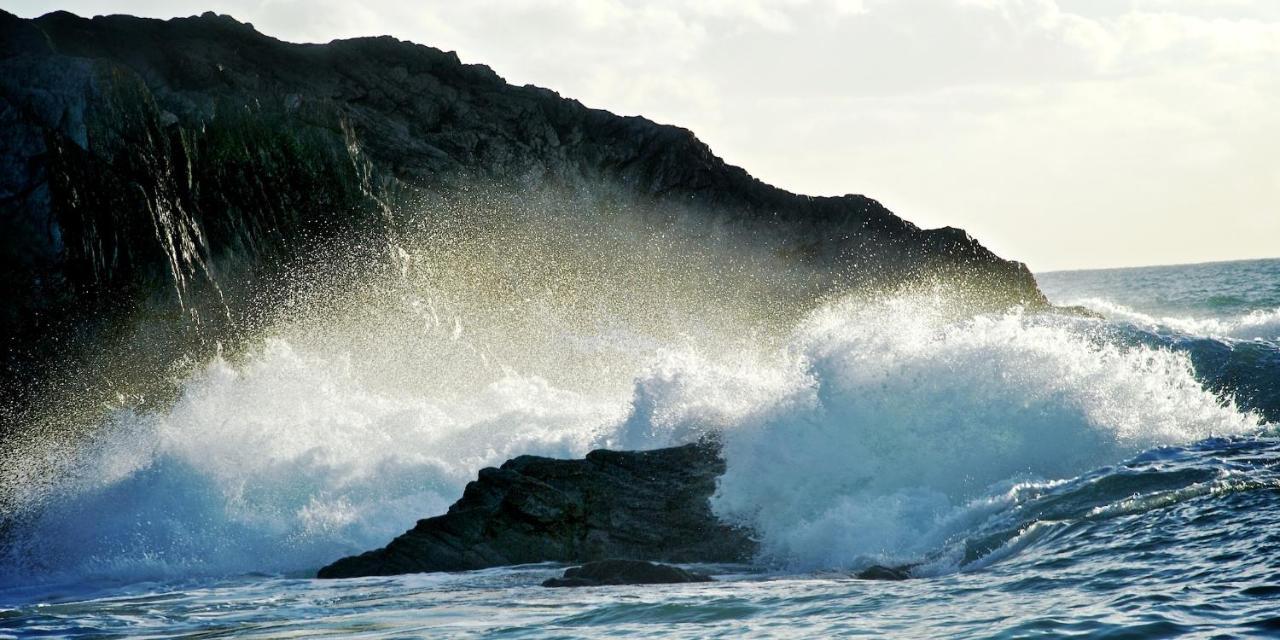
{"type": "Point", "coordinates": [1064, 133]}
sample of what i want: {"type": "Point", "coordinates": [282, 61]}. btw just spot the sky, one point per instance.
{"type": "Point", "coordinates": [1064, 133]}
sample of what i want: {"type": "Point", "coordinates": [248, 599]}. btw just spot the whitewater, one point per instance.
{"type": "Point", "coordinates": [1106, 469]}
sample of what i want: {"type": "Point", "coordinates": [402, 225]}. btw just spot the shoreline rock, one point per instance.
{"type": "Point", "coordinates": [643, 505]}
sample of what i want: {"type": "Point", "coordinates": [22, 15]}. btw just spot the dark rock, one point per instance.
{"type": "Point", "coordinates": [878, 572]}
{"type": "Point", "coordinates": [647, 505]}
{"type": "Point", "coordinates": [615, 572]}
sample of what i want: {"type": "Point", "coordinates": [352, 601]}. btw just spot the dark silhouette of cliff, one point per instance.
{"type": "Point", "coordinates": [137, 155]}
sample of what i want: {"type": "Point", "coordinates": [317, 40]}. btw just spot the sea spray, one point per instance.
{"type": "Point", "coordinates": [872, 430]}
{"type": "Point", "coordinates": [281, 463]}
{"type": "Point", "coordinates": [361, 397]}
{"type": "Point", "coordinates": [839, 447]}
{"type": "Point", "coordinates": [911, 412]}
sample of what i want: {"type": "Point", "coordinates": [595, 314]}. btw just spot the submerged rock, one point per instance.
{"type": "Point", "coordinates": [615, 572]}
{"type": "Point", "coordinates": [879, 572]}
{"type": "Point", "coordinates": [646, 505]}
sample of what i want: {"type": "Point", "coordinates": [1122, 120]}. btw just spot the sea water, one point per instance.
{"type": "Point", "coordinates": [1103, 473]}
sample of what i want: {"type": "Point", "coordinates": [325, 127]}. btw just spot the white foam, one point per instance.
{"type": "Point", "coordinates": [875, 433]}
{"type": "Point", "coordinates": [910, 416]}
{"type": "Point", "coordinates": [285, 462]}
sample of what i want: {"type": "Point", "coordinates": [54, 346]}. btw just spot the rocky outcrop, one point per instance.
{"type": "Point", "coordinates": [642, 505]}
{"type": "Point", "coordinates": [139, 158]}
{"type": "Point", "coordinates": [618, 572]}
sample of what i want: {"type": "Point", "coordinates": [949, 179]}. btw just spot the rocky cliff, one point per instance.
{"type": "Point", "coordinates": [140, 159]}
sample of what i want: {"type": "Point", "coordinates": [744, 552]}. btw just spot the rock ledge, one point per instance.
{"type": "Point", "coordinates": [643, 505]}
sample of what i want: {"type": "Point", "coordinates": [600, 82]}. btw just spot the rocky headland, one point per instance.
{"type": "Point", "coordinates": [187, 164]}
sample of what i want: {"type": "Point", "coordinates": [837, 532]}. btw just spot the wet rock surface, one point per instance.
{"type": "Point", "coordinates": [643, 505]}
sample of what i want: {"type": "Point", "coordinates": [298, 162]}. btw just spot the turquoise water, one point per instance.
{"type": "Point", "coordinates": [1053, 475]}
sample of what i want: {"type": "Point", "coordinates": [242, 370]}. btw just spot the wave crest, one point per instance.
{"type": "Point", "coordinates": [878, 432]}
{"type": "Point", "coordinates": [911, 413]}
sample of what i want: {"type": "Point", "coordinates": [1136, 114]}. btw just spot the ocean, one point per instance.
{"type": "Point", "coordinates": [1111, 471]}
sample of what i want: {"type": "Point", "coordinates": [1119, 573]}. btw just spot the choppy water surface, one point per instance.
{"type": "Point", "coordinates": [1051, 474]}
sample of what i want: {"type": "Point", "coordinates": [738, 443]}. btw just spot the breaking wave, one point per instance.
{"type": "Point", "coordinates": [876, 431]}
{"type": "Point", "coordinates": [910, 421]}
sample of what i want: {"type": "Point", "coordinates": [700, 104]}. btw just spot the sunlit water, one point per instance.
{"type": "Point", "coordinates": [1049, 474]}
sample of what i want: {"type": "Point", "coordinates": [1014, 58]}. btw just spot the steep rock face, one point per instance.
{"type": "Point", "coordinates": [642, 505]}
{"type": "Point", "coordinates": [138, 157]}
